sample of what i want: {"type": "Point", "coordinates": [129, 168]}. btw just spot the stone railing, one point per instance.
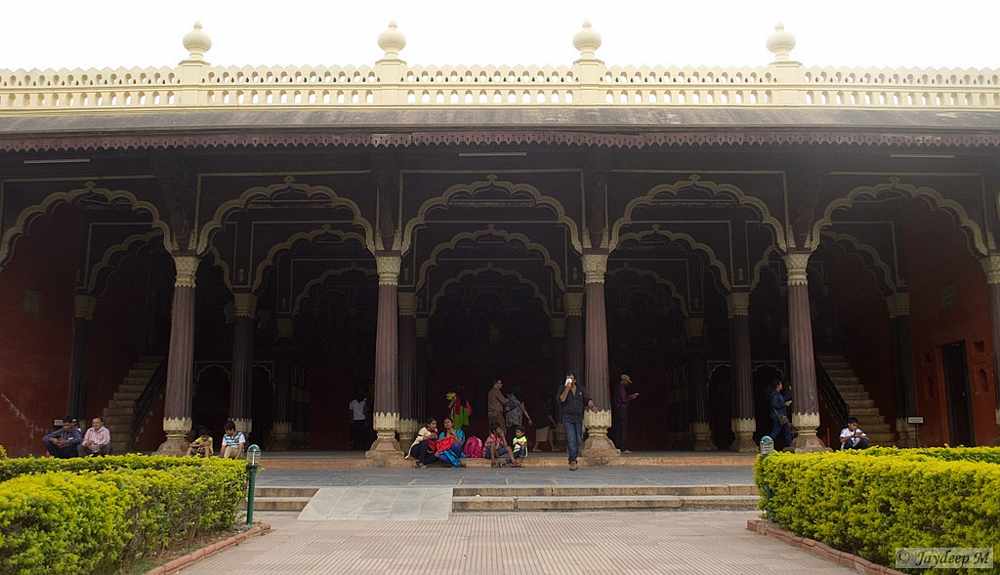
{"type": "Point", "coordinates": [391, 82]}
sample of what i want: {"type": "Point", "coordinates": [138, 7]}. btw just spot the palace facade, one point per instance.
{"type": "Point", "coordinates": [193, 243]}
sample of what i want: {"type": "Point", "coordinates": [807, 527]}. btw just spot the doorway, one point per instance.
{"type": "Point", "coordinates": [956, 381]}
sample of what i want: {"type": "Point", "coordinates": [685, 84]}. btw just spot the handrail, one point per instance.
{"type": "Point", "coordinates": [830, 396]}
{"type": "Point", "coordinates": [156, 386]}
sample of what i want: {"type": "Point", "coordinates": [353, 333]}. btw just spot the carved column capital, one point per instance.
{"type": "Point", "coordinates": [244, 305]}
{"type": "Point", "coordinates": [739, 303]}
{"type": "Point", "coordinates": [898, 304]}
{"type": "Point", "coordinates": [186, 270]}
{"type": "Point", "coordinates": [991, 265]}
{"type": "Point", "coordinates": [695, 327]}
{"type": "Point", "coordinates": [83, 306]}
{"type": "Point", "coordinates": [796, 264]}
{"type": "Point", "coordinates": [574, 304]}
{"type": "Point", "coordinates": [407, 303]}
{"type": "Point", "coordinates": [595, 266]}
{"type": "Point", "coordinates": [557, 326]}
{"type": "Point", "coordinates": [388, 269]}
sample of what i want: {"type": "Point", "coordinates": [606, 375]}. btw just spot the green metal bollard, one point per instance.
{"type": "Point", "coordinates": [253, 456]}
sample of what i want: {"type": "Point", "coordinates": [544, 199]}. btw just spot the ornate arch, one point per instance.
{"type": "Point", "coordinates": [674, 292]}
{"type": "Point", "coordinates": [125, 247]}
{"type": "Point", "coordinates": [489, 268]}
{"type": "Point", "coordinates": [694, 181]}
{"type": "Point", "coordinates": [926, 193]}
{"type": "Point", "coordinates": [51, 201]}
{"type": "Point", "coordinates": [302, 295]}
{"type": "Point", "coordinates": [258, 192]}
{"type": "Point", "coordinates": [868, 256]}
{"type": "Point", "coordinates": [762, 263]}
{"type": "Point", "coordinates": [693, 244]}
{"type": "Point", "coordinates": [491, 230]}
{"type": "Point", "coordinates": [473, 188]}
{"type": "Point", "coordinates": [287, 245]}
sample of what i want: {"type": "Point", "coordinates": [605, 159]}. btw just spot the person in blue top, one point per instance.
{"type": "Point", "coordinates": [65, 441]}
{"type": "Point", "coordinates": [778, 408]}
{"type": "Point", "coordinates": [449, 444]}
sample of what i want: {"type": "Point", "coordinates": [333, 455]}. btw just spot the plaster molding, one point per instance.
{"type": "Point", "coordinates": [738, 303]}
{"type": "Point", "coordinates": [175, 425]}
{"type": "Point", "coordinates": [243, 425]}
{"type": "Point", "coordinates": [83, 306]}
{"type": "Point", "coordinates": [744, 425]}
{"type": "Point", "coordinates": [595, 267]}
{"type": "Point", "coordinates": [797, 264]}
{"type": "Point", "coordinates": [806, 421]}
{"type": "Point", "coordinates": [692, 244]}
{"type": "Point", "coordinates": [386, 421]}
{"type": "Point", "coordinates": [388, 269]}
{"type": "Point", "coordinates": [599, 420]}
{"type": "Point", "coordinates": [186, 271]}
{"type": "Point", "coordinates": [991, 265]}
{"type": "Point", "coordinates": [489, 267]}
{"type": "Point", "coordinates": [244, 305]}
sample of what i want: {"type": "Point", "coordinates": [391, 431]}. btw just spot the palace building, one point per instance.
{"type": "Point", "coordinates": [188, 244]}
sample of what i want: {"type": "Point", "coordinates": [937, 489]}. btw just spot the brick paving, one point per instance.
{"type": "Point", "coordinates": [715, 543]}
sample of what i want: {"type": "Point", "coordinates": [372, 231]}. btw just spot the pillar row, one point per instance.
{"type": "Point", "coordinates": [574, 334]}
{"type": "Point", "coordinates": [902, 348]}
{"type": "Point", "coordinates": [743, 421]}
{"type": "Point", "coordinates": [241, 387]}
{"type": "Point", "coordinates": [281, 429]}
{"type": "Point", "coordinates": [697, 379]}
{"type": "Point", "coordinates": [386, 410]}
{"type": "Point", "coordinates": [420, 381]}
{"type": "Point", "coordinates": [407, 355]}
{"type": "Point", "coordinates": [180, 358]}
{"type": "Point", "coordinates": [805, 396]}
{"type": "Point", "coordinates": [83, 317]}
{"type": "Point", "coordinates": [597, 446]}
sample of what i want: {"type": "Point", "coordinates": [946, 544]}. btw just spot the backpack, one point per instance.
{"type": "Point", "coordinates": [473, 447]}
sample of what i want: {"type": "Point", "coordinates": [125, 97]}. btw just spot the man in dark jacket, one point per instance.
{"type": "Point", "coordinates": [572, 402]}
{"type": "Point", "coordinates": [778, 405]}
{"type": "Point", "coordinates": [65, 441]}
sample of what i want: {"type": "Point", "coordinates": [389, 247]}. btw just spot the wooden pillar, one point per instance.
{"type": "Point", "coordinates": [83, 317]}
{"type": "Point", "coordinates": [743, 420]}
{"type": "Point", "coordinates": [698, 380]}
{"type": "Point", "coordinates": [574, 335]}
{"type": "Point", "coordinates": [991, 265]}
{"type": "Point", "coordinates": [241, 387]}
{"type": "Point", "coordinates": [407, 355]}
{"type": "Point", "coordinates": [420, 380]}
{"type": "Point", "coordinates": [598, 446]}
{"type": "Point", "coordinates": [386, 412]}
{"type": "Point", "coordinates": [805, 396]}
{"type": "Point", "coordinates": [557, 329]}
{"type": "Point", "coordinates": [281, 429]}
{"type": "Point", "coordinates": [902, 348]}
{"type": "Point", "coordinates": [180, 358]}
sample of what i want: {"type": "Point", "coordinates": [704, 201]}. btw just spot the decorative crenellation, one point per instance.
{"type": "Point", "coordinates": [805, 420]}
{"type": "Point", "coordinates": [694, 327]}
{"type": "Point", "coordinates": [83, 306]}
{"type": "Point", "coordinates": [574, 304]}
{"type": "Point", "coordinates": [898, 304]}
{"type": "Point", "coordinates": [244, 305]}
{"type": "Point", "coordinates": [557, 327]}
{"type": "Point", "coordinates": [388, 269]}
{"type": "Point", "coordinates": [597, 421]}
{"type": "Point", "coordinates": [176, 425]}
{"type": "Point", "coordinates": [386, 422]}
{"type": "Point", "coordinates": [991, 265]}
{"type": "Point", "coordinates": [595, 267]}
{"type": "Point", "coordinates": [243, 425]}
{"type": "Point", "coordinates": [407, 431]}
{"type": "Point", "coordinates": [796, 264]}
{"type": "Point", "coordinates": [738, 303]}
{"type": "Point", "coordinates": [407, 303]}
{"type": "Point", "coordinates": [744, 424]}
{"type": "Point", "coordinates": [186, 271]}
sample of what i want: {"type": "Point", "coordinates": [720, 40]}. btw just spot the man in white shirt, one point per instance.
{"type": "Point", "coordinates": [851, 437]}
{"type": "Point", "coordinates": [359, 422]}
{"type": "Point", "coordinates": [97, 440]}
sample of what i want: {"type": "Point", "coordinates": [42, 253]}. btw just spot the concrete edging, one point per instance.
{"type": "Point", "coordinates": [859, 564]}
{"type": "Point", "coordinates": [197, 555]}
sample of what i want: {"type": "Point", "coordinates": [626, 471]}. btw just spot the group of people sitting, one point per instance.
{"type": "Point", "coordinates": [450, 446]}
{"type": "Point", "coordinates": [232, 447]}
{"type": "Point", "coordinates": [69, 441]}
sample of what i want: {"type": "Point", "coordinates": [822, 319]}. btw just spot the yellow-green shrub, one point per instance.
{"type": "Point", "coordinates": [982, 454]}
{"type": "Point", "coordinates": [3, 452]}
{"type": "Point", "coordinates": [872, 504]}
{"type": "Point", "coordinates": [10, 468]}
{"type": "Point", "coordinates": [91, 522]}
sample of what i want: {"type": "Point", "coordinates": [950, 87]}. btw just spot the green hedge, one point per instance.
{"type": "Point", "coordinates": [981, 454]}
{"type": "Point", "coordinates": [10, 468]}
{"type": "Point", "coordinates": [872, 504]}
{"type": "Point", "coordinates": [93, 522]}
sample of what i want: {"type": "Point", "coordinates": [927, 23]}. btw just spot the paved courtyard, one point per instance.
{"type": "Point", "coordinates": [519, 544]}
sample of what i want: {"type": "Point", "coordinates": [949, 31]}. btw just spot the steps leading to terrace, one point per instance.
{"type": "Point", "coordinates": [859, 403]}
{"type": "Point", "coordinates": [119, 414]}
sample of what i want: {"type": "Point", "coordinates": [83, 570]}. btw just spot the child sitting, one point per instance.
{"type": "Point", "coordinates": [496, 447]}
{"type": "Point", "coordinates": [202, 445]}
{"type": "Point", "coordinates": [520, 444]}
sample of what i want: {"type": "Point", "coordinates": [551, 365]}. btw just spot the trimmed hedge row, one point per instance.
{"type": "Point", "coordinates": [11, 468]}
{"type": "Point", "coordinates": [872, 504]}
{"type": "Point", "coordinates": [88, 522]}
{"type": "Point", "coordinates": [981, 454]}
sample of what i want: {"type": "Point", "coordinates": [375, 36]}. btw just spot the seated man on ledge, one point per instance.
{"type": "Point", "coordinates": [97, 441]}
{"type": "Point", "coordinates": [233, 442]}
{"type": "Point", "coordinates": [851, 437]}
{"type": "Point", "coordinates": [63, 442]}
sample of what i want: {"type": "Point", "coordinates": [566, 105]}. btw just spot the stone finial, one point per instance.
{"type": "Point", "coordinates": [391, 41]}
{"type": "Point", "coordinates": [587, 41]}
{"type": "Point", "coordinates": [781, 43]}
{"type": "Point", "coordinates": [197, 42]}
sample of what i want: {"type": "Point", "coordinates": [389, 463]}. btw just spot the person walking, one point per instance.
{"type": "Point", "coordinates": [778, 408]}
{"type": "Point", "coordinates": [359, 421]}
{"type": "Point", "coordinates": [572, 401]}
{"type": "Point", "coordinates": [620, 412]}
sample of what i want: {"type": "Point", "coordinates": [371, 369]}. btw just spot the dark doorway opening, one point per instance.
{"type": "Point", "coordinates": [956, 380]}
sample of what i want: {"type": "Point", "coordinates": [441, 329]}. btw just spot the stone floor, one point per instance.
{"type": "Point", "coordinates": [448, 477]}
{"type": "Point", "coordinates": [714, 543]}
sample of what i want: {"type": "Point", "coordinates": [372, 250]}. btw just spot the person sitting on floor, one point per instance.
{"type": "Point", "coordinates": [520, 444]}
{"type": "Point", "coordinates": [233, 442]}
{"type": "Point", "coordinates": [97, 441]}
{"type": "Point", "coordinates": [449, 444]}
{"type": "Point", "coordinates": [851, 437]}
{"type": "Point", "coordinates": [202, 446]}
{"type": "Point", "coordinates": [496, 448]}
{"type": "Point", "coordinates": [423, 443]}
{"type": "Point", "coordinates": [64, 442]}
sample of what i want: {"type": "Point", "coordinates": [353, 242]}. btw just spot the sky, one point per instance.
{"type": "Point", "coordinates": [912, 33]}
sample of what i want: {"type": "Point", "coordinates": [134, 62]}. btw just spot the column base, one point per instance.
{"type": "Point", "coordinates": [744, 442]}
{"type": "Point", "coordinates": [280, 436]}
{"type": "Point", "coordinates": [385, 445]}
{"type": "Point", "coordinates": [806, 440]}
{"type": "Point", "coordinates": [598, 448]}
{"type": "Point", "coordinates": [906, 434]}
{"type": "Point", "coordinates": [177, 442]}
{"type": "Point", "coordinates": [702, 436]}
{"type": "Point", "coordinates": [407, 432]}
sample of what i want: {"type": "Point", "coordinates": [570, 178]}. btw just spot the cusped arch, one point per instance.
{"type": "Point", "coordinates": [764, 263]}
{"type": "Point", "coordinates": [288, 244]}
{"type": "Point", "coordinates": [675, 293]}
{"type": "Point", "coordinates": [491, 230]}
{"type": "Point", "coordinates": [926, 193]}
{"type": "Point", "coordinates": [741, 197]}
{"type": "Point", "coordinates": [55, 199]}
{"type": "Point", "coordinates": [868, 255]}
{"type": "Point", "coordinates": [691, 243]}
{"type": "Point", "coordinates": [318, 281]}
{"type": "Point", "coordinates": [107, 263]}
{"type": "Point", "coordinates": [489, 268]}
{"type": "Point", "coordinates": [473, 188]}
{"type": "Point", "coordinates": [266, 192]}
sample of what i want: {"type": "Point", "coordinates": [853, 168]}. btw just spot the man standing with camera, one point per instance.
{"type": "Point", "coordinates": [572, 401]}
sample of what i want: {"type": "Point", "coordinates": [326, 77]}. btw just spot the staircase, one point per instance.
{"type": "Point", "coordinates": [120, 412]}
{"type": "Point", "coordinates": [859, 404]}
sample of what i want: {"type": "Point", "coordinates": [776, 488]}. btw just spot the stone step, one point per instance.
{"type": "Point", "coordinates": [295, 504]}
{"type": "Point", "coordinates": [602, 503]}
{"type": "Point", "coordinates": [135, 379]}
{"type": "Point", "coordinates": [861, 412]}
{"type": "Point", "coordinates": [602, 490]}
{"type": "Point", "coordinates": [116, 411]}
{"type": "Point", "coordinates": [851, 388]}
{"type": "Point", "coordinates": [285, 491]}
{"type": "Point", "coordinates": [121, 403]}
{"type": "Point", "coordinates": [854, 404]}
{"type": "Point", "coordinates": [129, 396]}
